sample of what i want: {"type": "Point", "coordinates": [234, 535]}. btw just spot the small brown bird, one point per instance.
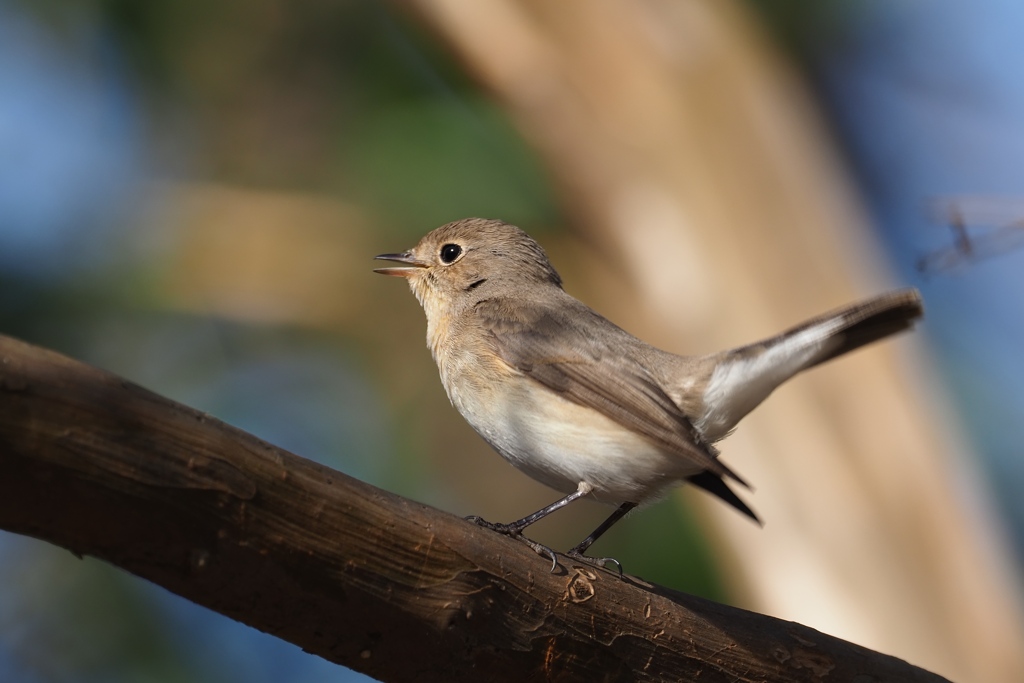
{"type": "Point", "coordinates": [580, 404]}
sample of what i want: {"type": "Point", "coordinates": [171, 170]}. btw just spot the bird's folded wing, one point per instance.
{"type": "Point", "coordinates": [588, 360]}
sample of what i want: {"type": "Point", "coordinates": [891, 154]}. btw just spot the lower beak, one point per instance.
{"type": "Point", "coordinates": [404, 257]}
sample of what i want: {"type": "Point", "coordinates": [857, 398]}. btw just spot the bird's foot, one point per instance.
{"type": "Point", "coordinates": [596, 561]}
{"type": "Point", "coordinates": [506, 529]}
{"type": "Point", "coordinates": [517, 532]}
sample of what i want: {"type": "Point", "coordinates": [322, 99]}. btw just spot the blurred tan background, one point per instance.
{"type": "Point", "coordinates": [688, 182]}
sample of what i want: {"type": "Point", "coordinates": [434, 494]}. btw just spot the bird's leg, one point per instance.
{"type": "Point", "coordinates": [582, 546]}
{"type": "Point", "coordinates": [515, 529]}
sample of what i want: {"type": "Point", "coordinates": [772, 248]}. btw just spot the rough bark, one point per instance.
{"type": "Point", "coordinates": [354, 574]}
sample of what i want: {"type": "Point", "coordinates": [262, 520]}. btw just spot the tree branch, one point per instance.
{"type": "Point", "coordinates": [359, 576]}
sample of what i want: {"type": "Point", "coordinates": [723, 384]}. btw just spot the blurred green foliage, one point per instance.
{"type": "Point", "coordinates": [804, 27]}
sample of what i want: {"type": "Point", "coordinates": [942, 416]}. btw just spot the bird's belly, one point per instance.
{"type": "Point", "coordinates": [560, 444]}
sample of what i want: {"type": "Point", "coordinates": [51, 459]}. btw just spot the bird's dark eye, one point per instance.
{"type": "Point", "coordinates": [450, 252]}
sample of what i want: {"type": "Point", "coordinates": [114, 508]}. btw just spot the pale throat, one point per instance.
{"type": "Point", "coordinates": [437, 314]}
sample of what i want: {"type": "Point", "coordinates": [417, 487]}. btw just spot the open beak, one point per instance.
{"type": "Point", "coordinates": [405, 257]}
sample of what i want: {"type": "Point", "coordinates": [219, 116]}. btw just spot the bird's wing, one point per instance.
{"type": "Point", "coordinates": [584, 358]}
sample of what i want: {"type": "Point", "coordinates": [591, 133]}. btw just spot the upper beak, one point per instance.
{"type": "Point", "coordinates": [404, 257]}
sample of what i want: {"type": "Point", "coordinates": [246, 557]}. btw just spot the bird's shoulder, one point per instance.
{"type": "Point", "coordinates": [554, 329]}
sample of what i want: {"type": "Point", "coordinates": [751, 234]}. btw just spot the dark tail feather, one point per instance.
{"type": "Point", "coordinates": [714, 484]}
{"type": "Point", "coordinates": [871, 320]}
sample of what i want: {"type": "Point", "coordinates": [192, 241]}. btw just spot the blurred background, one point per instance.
{"type": "Point", "coordinates": [191, 194]}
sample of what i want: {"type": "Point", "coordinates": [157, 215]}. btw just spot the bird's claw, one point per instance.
{"type": "Point", "coordinates": [543, 551]}
{"type": "Point", "coordinates": [596, 561]}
